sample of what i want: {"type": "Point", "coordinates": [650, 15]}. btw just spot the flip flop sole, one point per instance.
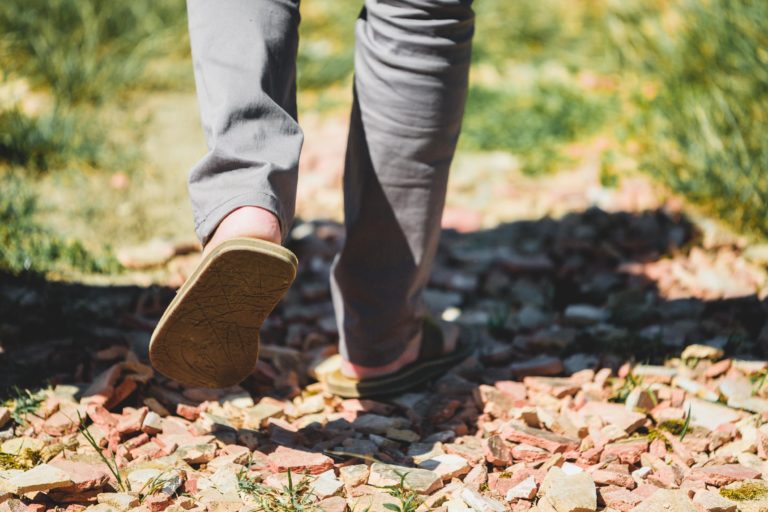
{"type": "Point", "coordinates": [401, 381]}
{"type": "Point", "coordinates": [209, 335]}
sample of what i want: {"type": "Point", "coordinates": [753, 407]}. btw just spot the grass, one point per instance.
{"type": "Point", "coordinates": [291, 498]}
{"type": "Point", "coordinates": [697, 79]}
{"type": "Point", "coordinates": [85, 50]}
{"type": "Point", "coordinates": [123, 485]}
{"type": "Point", "coordinates": [408, 500]}
{"type": "Point", "coordinates": [22, 403]}
{"type": "Point", "coordinates": [746, 492]}
{"type": "Point", "coordinates": [27, 246]}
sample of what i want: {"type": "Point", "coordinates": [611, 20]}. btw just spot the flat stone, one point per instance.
{"type": "Point", "coordinates": [569, 493]}
{"type": "Point", "coordinates": [40, 478]}
{"type": "Point", "coordinates": [5, 416]}
{"type": "Point", "coordinates": [585, 314]}
{"type": "Point", "coordinates": [628, 452]}
{"type": "Point", "coordinates": [607, 477]}
{"type": "Point", "coordinates": [698, 351]}
{"type": "Point", "coordinates": [139, 478]}
{"type": "Point", "coordinates": [84, 476]}
{"type": "Point", "coordinates": [723, 474]}
{"type": "Point", "coordinates": [524, 490]}
{"type": "Point", "coordinates": [298, 461]}
{"type": "Point", "coordinates": [326, 485]}
{"type": "Point", "coordinates": [618, 498]}
{"type": "Point", "coordinates": [119, 500]}
{"type": "Point", "coordinates": [197, 453]}
{"type": "Point", "coordinates": [712, 502]}
{"type": "Point", "coordinates": [255, 417]}
{"type": "Point", "coordinates": [372, 502]}
{"type": "Point", "coordinates": [333, 504]}
{"type": "Point", "coordinates": [354, 475]}
{"type": "Point", "coordinates": [709, 415]}
{"type": "Point", "coordinates": [377, 424]}
{"type": "Point", "coordinates": [422, 481]}
{"type": "Point", "coordinates": [614, 414]}
{"type": "Point", "coordinates": [447, 466]}
{"type": "Point", "coordinates": [666, 500]}
{"type": "Point", "coordinates": [553, 443]}
{"type": "Point", "coordinates": [152, 423]}
{"type": "Point", "coordinates": [481, 503]}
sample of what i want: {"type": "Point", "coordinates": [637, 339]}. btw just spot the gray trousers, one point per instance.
{"type": "Point", "coordinates": [411, 67]}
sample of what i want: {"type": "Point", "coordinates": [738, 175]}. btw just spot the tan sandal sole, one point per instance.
{"type": "Point", "coordinates": [209, 335]}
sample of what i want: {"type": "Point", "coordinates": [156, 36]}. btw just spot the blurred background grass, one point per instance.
{"type": "Point", "coordinates": [679, 87]}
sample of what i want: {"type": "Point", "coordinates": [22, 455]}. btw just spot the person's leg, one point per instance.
{"type": "Point", "coordinates": [411, 72]}
{"type": "Point", "coordinates": [242, 191]}
{"type": "Point", "coordinates": [244, 54]}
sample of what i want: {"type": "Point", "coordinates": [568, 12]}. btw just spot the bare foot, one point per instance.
{"type": "Point", "coordinates": [450, 338]}
{"type": "Point", "coordinates": [249, 222]}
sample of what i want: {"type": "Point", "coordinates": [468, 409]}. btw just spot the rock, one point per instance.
{"type": "Point", "coordinates": [614, 414]}
{"type": "Point", "coordinates": [627, 452]}
{"type": "Point", "coordinates": [376, 424]}
{"type": "Point", "coordinates": [709, 415]}
{"type": "Point", "coordinates": [723, 474]}
{"type": "Point", "coordinates": [152, 424]}
{"type": "Point", "coordinates": [480, 503]}
{"type": "Point", "coordinates": [326, 484]}
{"type": "Point", "coordinates": [119, 500]}
{"type": "Point", "coordinates": [5, 416]}
{"type": "Point", "coordinates": [477, 477]}
{"type": "Point", "coordinates": [40, 478]}
{"type": "Point", "coordinates": [198, 453]}
{"type": "Point", "coordinates": [139, 478]}
{"type": "Point", "coordinates": [524, 490]}
{"type": "Point", "coordinates": [84, 477]}
{"type": "Point", "coordinates": [618, 498]}
{"type": "Point", "coordinates": [354, 475]}
{"type": "Point", "coordinates": [569, 493]}
{"type": "Point", "coordinates": [606, 477]}
{"type": "Point", "coordinates": [422, 481]}
{"type": "Point", "coordinates": [284, 459]}
{"type": "Point", "coordinates": [499, 453]}
{"type": "Point", "coordinates": [540, 365]}
{"type": "Point", "coordinates": [584, 314]}
{"type": "Point", "coordinates": [447, 466]}
{"type": "Point", "coordinates": [666, 500]}
{"type": "Point", "coordinates": [333, 504]}
{"type": "Point", "coordinates": [713, 502]}
{"type": "Point", "coordinates": [697, 351]}
{"type": "Point", "coordinates": [373, 502]}
{"type": "Point", "coordinates": [540, 438]}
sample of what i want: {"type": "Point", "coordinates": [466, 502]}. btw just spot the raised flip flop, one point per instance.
{"type": "Point", "coordinates": [430, 363]}
{"type": "Point", "coordinates": [209, 335]}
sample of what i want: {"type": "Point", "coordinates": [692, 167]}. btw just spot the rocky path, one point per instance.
{"type": "Point", "coordinates": [619, 366]}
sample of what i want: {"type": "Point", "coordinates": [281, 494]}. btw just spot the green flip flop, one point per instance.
{"type": "Point", "coordinates": [430, 363]}
{"type": "Point", "coordinates": [209, 335]}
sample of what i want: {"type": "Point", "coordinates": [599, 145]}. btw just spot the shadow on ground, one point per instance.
{"type": "Point", "coordinates": [545, 297]}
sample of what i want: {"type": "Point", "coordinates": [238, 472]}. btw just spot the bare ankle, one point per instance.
{"type": "Point", "coordinates": [249, 222]}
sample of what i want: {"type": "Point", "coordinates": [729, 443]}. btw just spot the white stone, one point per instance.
{"type": "Point", "coordinates": [481, 503]}
{"type": "Point", "coordinates": [447, 466]}
{"type": "Point", "coordinates": [525, 490]}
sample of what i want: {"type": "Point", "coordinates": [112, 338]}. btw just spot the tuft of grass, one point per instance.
{"type": "Point", "coordinates": [409, 500]}
{"type": "Point", "coordinates": [697, 73]}
{"type": "Point", "coordinates": [291, 498]}
{"type": "Point", "coordinates": [27, 458]}
{"type": "Point", "coordinates": [674, 427]}
{"type": "Point", "coordinates": [51, 140]}
{"type": "Point", "coordinates": [26, 246]}
{"type": "Point", "coordinates": [686, 424]}
{"type": "Point", "coordinates": [630, 383]}
{"type": "Point", "coordinates": [745, 492]}
{"type": "Point", "coordinates": [23, 402]}
{"type": "Point", "coordinates": [123, 485]}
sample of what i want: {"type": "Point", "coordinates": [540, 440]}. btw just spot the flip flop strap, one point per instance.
{"type": "Point", "coordinates": [431, 341]}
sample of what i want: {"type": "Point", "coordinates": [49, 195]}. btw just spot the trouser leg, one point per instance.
{"type": "Point", "coordinates": [244, 55]}
{"type": "Point", "coordinates": [411, 70]}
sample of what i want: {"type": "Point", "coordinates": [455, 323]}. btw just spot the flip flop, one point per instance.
{"type": "Point", "coordinates": [209, 335]}
{"type": "Point", "coordinates": [430, 363]}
